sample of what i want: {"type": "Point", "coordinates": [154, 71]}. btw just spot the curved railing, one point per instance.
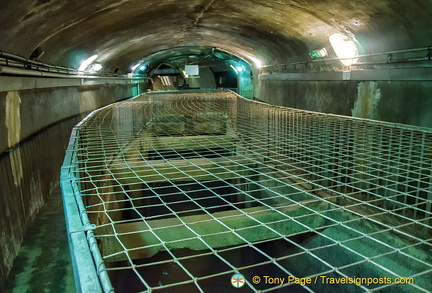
{"type": "Point", "coordinates": [183, 190]}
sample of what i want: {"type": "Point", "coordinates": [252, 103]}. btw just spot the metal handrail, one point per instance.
{"type": "Point", "coordinates": [31, 62]}
{"type": "Point", "coordinates": [389, 59]}
{"type": "Point", "coordinates": [15, 64]}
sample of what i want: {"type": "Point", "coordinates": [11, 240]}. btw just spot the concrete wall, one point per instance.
{"type": "Point", "coordinates": [32, 141]}
{"type": "Point", "coordinates": [35, 125]}
{"type": "Point", "coordinates": [205, 80]}
{"type": "Point", "coordinates": [407, 102]}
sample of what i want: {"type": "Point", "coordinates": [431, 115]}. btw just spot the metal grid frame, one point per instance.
{"type": "Point", "coordinates": [298, 193]}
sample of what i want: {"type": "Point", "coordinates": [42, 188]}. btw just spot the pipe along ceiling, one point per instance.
{"type": "Point", "coordinates": [119, 34]}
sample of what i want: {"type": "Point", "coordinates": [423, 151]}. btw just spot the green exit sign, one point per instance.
{"type": "Point", "coordinates": [314, 54]}
{"type": "Point", "coordinates": [318, 53]}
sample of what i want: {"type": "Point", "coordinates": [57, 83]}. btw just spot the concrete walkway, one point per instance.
{"type": "Point", "coordinates": [43, 263]}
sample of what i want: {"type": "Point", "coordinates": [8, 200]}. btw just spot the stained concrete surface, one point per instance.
{"type": "Point", "coordinates": [31, 160]}
{"type": "Point", "coordinates": [43, 263]}
{"type": "Point", "coordinates": [122, 32]}
{"type": "Point", "coordinates": [406, 102]}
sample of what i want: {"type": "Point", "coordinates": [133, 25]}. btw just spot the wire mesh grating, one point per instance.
{"type": "Point", "coordinates": [187, 188]}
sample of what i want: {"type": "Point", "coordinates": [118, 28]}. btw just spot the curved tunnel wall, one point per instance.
{"type": "Point", "coordinates": [34, 131]}
{"type": "Point", "coordinates": [122, 32]}
{"type": "Point", "coordinates": [407, 102]}
{"type": "Point", "coordinates": [30, 169]}
{"type": "Point", "coordinates": [30, 160]}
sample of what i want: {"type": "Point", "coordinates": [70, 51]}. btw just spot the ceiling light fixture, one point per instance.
{"type": "Point", "coordinates": [235, 69]}
{"type": "Point", "coordinates": [256, 61]}
{"type": "Point", "coordinates": [135, 66]}
{"type": "Point", "coordinates": [345, 48]}
{"type": "Point", "coordinates": [95, 67]}
{"type": "Point", "coordinates": [87, 62]}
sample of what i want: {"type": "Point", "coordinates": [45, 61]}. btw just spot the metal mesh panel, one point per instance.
{"type": "Point", "coordinates": [188, 188]}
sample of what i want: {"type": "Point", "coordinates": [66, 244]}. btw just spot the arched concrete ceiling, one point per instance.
{"type": "Point", "coordinates": [124, 31]}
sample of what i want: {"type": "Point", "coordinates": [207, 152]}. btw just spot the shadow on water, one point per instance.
{"type": "Point", "coordinates": [162, 269]}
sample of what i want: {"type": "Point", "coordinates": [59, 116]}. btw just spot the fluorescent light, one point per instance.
{"type": "Point", "coordinates": [232, 66]}
{"type": "Point", "coordinates": [135, 66]}
{"type": "Point", "coordinates": [256, 61]}
{"type": "Point", "coordinates": [142, 67]}
{"type": "Point", "coordinates": [344, 48]}
{"type": "Point", "coordinates": [96, 67]}
{"type": "Point", "coordinates": [87, 62]}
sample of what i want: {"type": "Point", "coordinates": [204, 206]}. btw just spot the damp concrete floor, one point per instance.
{"type": "Point", "coordinates": [43, 264]}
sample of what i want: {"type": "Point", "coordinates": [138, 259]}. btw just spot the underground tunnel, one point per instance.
{"type": "Point", "coordinates": [216, 146]}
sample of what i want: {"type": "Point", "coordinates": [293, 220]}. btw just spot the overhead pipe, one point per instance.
{"type": "Point", "coordinates": [36, 73]}
{"type": "Point", "coordinates": [389, 53]}
{"type": "Point", "coordinates": [32, 62]}
{"type": "Point", "coordinates": [42, 69]}
{"type": "Point", "coordinates": [27, 72]}
{"type": "Point", "coordinates": [18, 67]}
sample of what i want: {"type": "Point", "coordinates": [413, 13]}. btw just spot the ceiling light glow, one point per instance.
{"type": "Point", "coordinates": [344, 48]}
{"type": "Point", "coordinates": [87, 62]}
{"type": "Point", "coordinates": [232, 66]}
{"type": "Point", "coordinates": [96, 67]}
{"type": "Point", "coordinates": [256, 61]}
{"type": "Point", "coordinates": [135, 66]}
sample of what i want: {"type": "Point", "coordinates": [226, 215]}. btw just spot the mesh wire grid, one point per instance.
{"type": "Point", "coordinates": [187, 188]}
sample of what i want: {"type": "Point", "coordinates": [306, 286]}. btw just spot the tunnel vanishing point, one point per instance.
{"type": "Point", "coordinates": [196, 140]}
